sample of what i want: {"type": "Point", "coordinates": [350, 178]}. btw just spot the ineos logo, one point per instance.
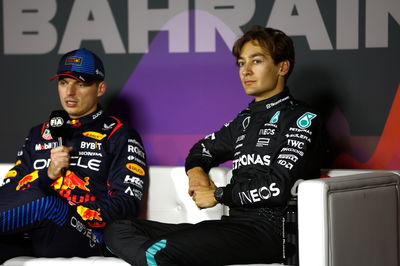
{"type": "Point", "coordinates": [56, 122]}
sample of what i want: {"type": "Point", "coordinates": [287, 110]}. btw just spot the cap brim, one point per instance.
{"type": "Point", "coordinates": [66, 75]}
{"type": "Point", "coordinates": [87, 79]}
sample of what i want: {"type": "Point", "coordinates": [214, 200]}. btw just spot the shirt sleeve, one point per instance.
{"type": "Point", "coordinates": [212, 150]}
{"type": "Point", "coordinates": [23, 173]}
{"type": "Point", "coordinates": [127, 178]}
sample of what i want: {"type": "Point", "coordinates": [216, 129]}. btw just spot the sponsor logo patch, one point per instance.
{"type": "Point", "coordinates": [73, 60]}
{"type": "Point", "coordinates": [275, 118]}
{"type": "Point", "coordinates": [94, 135]}
{"type": "Point", "coordinates": [286, 164]}
{"type": "Point", "coordinates": [46, 134]}
{"type": "Point", "coordinates": [97, 114]}
{"type": "Point", "coordinates": [262, 193]}
{"type": "Point", "coordinates": [261, 142]}
{"type": "Point", "coordinates": [134, 192]}
{"type": "Point", "coordinates": [108, 127]}
{"type": "Point", "coordinates": [240, 138]}
{"type": "Point", "coordinates": [90, 145]}
{"type": "Point", "coordinates": [24, 182]}
{"type": "Point", "coordinates": [45, 146]}
{"type": "Point", "coordinates": [136, 169]}
{"type": "Point", "coordinates": [71, 181]}
{"type": "Point", "coordinates": [11, 173]}
{"type": "Point", "coordinates": [88, 214]}
{"type": "Point", "coordinates": [305, 120]}
{"type": "Point", "coordinates": [251, 159]}
{"type": "Point", "coordinates": [134, 181]}
{"type": "Point", "coordinates": [266, 131]}
{"type": "Point", "coordinates": [246, 122]}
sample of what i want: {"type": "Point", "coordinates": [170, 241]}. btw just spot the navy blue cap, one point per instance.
{"type": "Point", "coordinates": [82, 65]}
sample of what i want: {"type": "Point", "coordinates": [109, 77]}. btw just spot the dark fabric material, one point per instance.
{"type": "Point", "coordinates": [14, 245]}
{"type": "Point", "coordinates": [34, 223]}
{"type": "Point", "coordinates": [215, 242]}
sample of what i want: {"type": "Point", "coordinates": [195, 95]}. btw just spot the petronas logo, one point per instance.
{"type": "Point", "coordinates": [275, 117]}
{"type": "Point", "coordinates": [305, 120]}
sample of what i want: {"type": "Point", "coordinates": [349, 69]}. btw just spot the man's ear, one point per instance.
{"type": "Point", "coordinates": [284, 67]}
{"type": "Point", "coordinates": [101, 88]}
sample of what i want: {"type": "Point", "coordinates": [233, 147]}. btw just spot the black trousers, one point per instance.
{"type": "Point", "coordinates": [231, 240]}
{"type": "Point", "coordinates": [53, 226]}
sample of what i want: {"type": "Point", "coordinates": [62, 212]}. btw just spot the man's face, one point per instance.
{"type": "Point", "coordinates": [78, 98]}
{"type": "Point", "coordinates": [260, 76]}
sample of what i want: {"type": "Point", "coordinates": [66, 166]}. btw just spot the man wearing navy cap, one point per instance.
{"type": "Point", "coordinates": [59, 196]}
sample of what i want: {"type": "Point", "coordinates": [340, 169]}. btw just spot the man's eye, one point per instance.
{"type": "Point", "coordinates": [256, 61]}
{"type": "Point", "coordinates": [240, 63]}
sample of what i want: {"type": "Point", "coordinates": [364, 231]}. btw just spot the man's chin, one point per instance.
{"type": "Point", "coordinates": [250, 93]}
{"type": "Point", "coordinates": [72, 113]}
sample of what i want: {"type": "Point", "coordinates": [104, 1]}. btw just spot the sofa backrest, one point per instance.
{"type": "Point", "coordinates": [168, 199]}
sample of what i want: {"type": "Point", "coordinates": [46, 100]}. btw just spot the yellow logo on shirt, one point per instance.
{"type": "Point", "coordinates": [135, 168]}
{"type": "Point", "coordinates": [11, 173]}
{"type": "Point", "coordinates": [94, 135]}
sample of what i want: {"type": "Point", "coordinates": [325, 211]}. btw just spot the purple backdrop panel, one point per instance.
{"type": "Point", "coordinates": [170, 96]}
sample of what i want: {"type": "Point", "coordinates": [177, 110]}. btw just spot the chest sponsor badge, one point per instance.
{"type": "Point", "coordinates": [46, 134]}
{"type": "Point", "coordinates": [275, 117]}
{"type": "Point", "coordinates": [94, 135]}
{"type": "Point", "coordinates": [305, 120]}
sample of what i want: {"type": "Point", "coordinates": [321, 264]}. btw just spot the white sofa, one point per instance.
{"type": "Point", "coordinates": [349, 219]}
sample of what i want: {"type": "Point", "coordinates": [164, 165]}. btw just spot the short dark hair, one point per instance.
{"type": "Point", "coordinates": [276, 42]}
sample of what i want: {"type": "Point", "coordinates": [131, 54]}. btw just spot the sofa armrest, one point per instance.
{"type": "Point", "coordinates": [350, 220]}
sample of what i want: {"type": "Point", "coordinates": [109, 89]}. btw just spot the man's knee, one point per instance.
{"type": "Point", "coordinates": [114, 232]}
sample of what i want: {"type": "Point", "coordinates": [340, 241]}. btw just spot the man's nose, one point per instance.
{"type": "Point", "coordinates": [71, 89]}
{"type": "Point", "coordinates": [246, 70]}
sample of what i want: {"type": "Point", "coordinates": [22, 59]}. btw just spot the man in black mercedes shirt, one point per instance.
{"type": "Point", "coordinates": [272, 143]}
{"type": "Point", "coordinates": [64, 195]}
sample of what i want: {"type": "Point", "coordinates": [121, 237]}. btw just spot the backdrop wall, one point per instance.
{"type": "Point", "coordinates": [172, 77]}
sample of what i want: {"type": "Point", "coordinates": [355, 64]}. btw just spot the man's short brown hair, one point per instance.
{"type": "Point", "coordinates": [274, 41]}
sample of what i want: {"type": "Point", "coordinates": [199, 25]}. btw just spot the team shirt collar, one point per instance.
{"type": "Point", "coordinates": [88, 118]}
{"type": "Point", "coordinates": [271, 103]}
